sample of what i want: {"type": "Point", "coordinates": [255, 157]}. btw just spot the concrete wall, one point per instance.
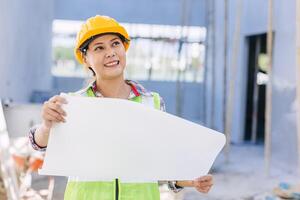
{"type": "Point", "coordinates": [133, 11]}
{"type": "Point", "coordinates": [25, 56]}
{"type": "Point", "coordinates": [284, 84]}
{"type": "Point", "coordinates": [254, 21]}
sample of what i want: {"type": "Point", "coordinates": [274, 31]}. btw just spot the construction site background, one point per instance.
{"type": "Point", "coordinates": [230, 65]}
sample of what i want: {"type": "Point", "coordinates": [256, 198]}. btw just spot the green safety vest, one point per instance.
{"type": "Point", "coordinates": [114, 190]}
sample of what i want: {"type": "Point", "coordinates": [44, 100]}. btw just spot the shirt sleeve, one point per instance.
{"type": "Point", "coordinates": [173, 187]}
{"type": "Point", "coordinates": [34, 145]}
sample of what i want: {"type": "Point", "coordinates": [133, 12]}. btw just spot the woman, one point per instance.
{"type": "Point", "coordinates": [101, 47]}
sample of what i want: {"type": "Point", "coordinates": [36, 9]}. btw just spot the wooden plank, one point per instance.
{"type": "Point", "coordinates": [268, 113]}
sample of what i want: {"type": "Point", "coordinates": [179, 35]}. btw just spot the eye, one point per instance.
{"type": "Point", "coordinates": [98, 48]}
{"type": "Point", "coordinates": [116, 43]}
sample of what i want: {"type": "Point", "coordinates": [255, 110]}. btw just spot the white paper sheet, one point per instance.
{"type": "Point", "coordinates": [107, 138]}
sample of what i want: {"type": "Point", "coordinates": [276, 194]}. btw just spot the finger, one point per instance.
{"type": "Point", "coordinates": [206, 189]}
{"type": "Point", "coordinates": [53, 106]}
{"type": "Point", "coordinates": [204, 182]}
{"type": "Point", "coordinates": [51, 118]}
{"type": "Point", "coordinates": [203, 189]}
{"type": "Point", "coordinates": [205, 178]}
{"type": "Point", "coordinates": [58, 98]}
{"type": "Point", "coordinates": [206, 185]}
{"type": "Point", "coordinates": [57, 108]}
{"type": "Point", "coordinates": [54, 115]}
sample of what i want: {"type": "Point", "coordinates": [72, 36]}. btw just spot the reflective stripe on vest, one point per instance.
{"type": "Point", "coordinates": [106, 190]}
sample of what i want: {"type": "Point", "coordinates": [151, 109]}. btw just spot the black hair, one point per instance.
{"type": "Point", "coordinates": [94, 74]}
{"type": "Point", "coordinates": [84, 47]}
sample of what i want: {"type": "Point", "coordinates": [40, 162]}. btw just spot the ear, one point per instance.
{"type": "Point", "coordinates": [85, 60]}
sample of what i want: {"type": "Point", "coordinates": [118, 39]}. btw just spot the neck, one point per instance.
{"type": "Point", "coordinates": [113, 88]}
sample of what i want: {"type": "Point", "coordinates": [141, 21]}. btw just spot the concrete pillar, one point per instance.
{"type": "Point", "coordinates": [25, 52]}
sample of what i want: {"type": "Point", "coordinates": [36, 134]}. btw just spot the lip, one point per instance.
{"type": "Point", "coordinates": [112, 63]}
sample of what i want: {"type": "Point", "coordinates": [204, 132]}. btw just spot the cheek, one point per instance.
{"type": "Point", "coordinates": [122, 57]}
{"type": "Point", "coordinates": [124, 60]}
{"type": "Point", "coordinates": [94, 60]}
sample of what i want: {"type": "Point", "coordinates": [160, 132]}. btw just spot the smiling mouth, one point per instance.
{"type": "Point", "coordinates": [112, 64]}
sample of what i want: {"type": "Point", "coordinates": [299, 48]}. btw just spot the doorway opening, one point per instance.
{"type": "Point", "coordinates": [257, 79]}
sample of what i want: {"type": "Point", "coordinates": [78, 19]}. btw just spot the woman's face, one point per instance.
{"type": "Point", "coordinates": [106, 55]}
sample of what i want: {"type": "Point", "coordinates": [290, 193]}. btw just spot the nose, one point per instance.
{"type": "Point", "coordinates": [110, 53]}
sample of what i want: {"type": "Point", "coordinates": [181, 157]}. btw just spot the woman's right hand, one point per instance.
{"type": "Point", "coordinates": [52, 111]}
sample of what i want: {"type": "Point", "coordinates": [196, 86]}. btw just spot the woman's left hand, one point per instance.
{"type": "Point", "coordinates": [203, 183]}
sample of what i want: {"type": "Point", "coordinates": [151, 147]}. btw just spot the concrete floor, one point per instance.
{"type": "Point", "coordinates": [242, 178]}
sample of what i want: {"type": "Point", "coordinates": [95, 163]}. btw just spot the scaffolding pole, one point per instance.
{"type": "Point", "coordinates": [213, 67]}
{"type": "Point", "coordinates": [298, 76]}
{"type": "Point", "coordinates": [225, 62]}
{"type": "Point", "coordinates": [268, 112]}
{"type": "Point", "coordinates": [184, 22]}
{"type": "Point", "coordinates": [233, 73]}
{"type": "Point", "coordinates": [204, 107]}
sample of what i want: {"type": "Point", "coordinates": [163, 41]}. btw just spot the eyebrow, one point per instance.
{"type": "Point", "coordinates": [103, 43]}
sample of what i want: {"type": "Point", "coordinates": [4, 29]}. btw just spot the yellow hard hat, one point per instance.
{"type": "Point", "coordinates": [95, 26]}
